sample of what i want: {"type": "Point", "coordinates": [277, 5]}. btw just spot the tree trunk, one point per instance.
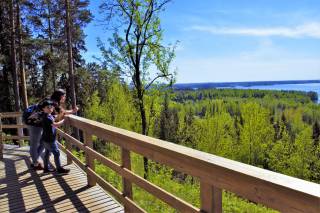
{"type": "Point", "coordinates": [14, 66]}
{"type": "Point", "coordinates": [143, 117]}
{"type": "Point", "coordinates": [53, 69]}
{"type": "Point", "coordinates": [5, 86]}
{"type": "Point", "coordinates": [14, 59]}
{"type": "Point", "coordinates": [70, 57]}
{"type": "Point", "coordinates": [21, 65]}
{"type": "Point", "coordinates": [70, 63]}
{"type": "Point", "coordinates": [144, 132]}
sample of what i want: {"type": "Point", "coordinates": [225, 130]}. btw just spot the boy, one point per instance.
{"type": "Point", "coordinates": [49, 138]}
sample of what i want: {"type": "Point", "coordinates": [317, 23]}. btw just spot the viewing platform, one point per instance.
{"type": "Point", "coordinates": [22, 189]}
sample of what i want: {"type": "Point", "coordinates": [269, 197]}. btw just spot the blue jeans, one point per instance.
{"type": "Point", "coordinates": [36, 147]}
{"type": "Point", "coordinates": [51, 148]}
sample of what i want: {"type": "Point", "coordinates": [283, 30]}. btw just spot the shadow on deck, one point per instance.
{"type": "Point", "coordinates": [24, 190]}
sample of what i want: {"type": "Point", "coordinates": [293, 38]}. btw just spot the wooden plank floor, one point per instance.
{"type": "Point", "coordinates": [24, 190]}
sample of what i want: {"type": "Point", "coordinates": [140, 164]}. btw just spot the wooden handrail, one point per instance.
{"type": "Point", "coordinates": [10, 114]}
{"type": "Point", "coordinates": [271, 189]}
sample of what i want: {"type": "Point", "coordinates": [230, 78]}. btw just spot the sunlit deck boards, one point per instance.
{"type": "Point", "coordinates": [25, 190]}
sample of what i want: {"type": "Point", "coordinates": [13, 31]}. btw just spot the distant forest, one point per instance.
{"type": "Point", "coordinates": [274, 130]}
{"type": "Point", "coordinates": [209, 85]}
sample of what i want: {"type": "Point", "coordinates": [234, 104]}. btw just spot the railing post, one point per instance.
{"type": "Point", "coordinates": [127, 185]}
{"type": "Point", "coordinates": [1, 141]}
{"type": "Point", "coordinates": [211, 198]}
{"type": "Point", "coordinates": [20, 130]}
{"type": "Point", "coordinates": [69, 147]}
{"type": "Point", "coordinates": [89, 159]}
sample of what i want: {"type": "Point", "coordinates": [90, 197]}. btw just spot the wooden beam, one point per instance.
{"type": "Point", "coordinates": [89, 158]}
{"type": "Point", "coordinates": [211, 198]}
{"type": "Point", "coordinates": [10, 114]}
{"type": "Point", "coordinates": [158, 192]}
{"type": "Point", "coordinates": [72, 157]}
{"type": "Point", "coordinates": [13, 126]}
{"type": "Point", "coordinates": [15, 137]}
{"type": "Point", "coordinates": [126, 163]}
{"type": "Point", "coordinates": [71, 140]}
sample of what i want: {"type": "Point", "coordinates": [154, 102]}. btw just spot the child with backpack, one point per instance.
{"type": "Point", "coordinates": [48, 138]}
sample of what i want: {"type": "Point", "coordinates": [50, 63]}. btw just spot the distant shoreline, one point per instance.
{"type": "Point", "coordinates": [207, 85]}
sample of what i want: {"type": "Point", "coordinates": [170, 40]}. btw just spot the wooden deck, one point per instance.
{"type": "Point", "coordinates": [24, 190]}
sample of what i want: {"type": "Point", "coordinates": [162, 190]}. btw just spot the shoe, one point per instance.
{"type": "Point", "coordinates": [37, 167]}
{"type": "Point", "coordinates": [48, 170]}
{"type": "Point", "coordinates": [63, 171]}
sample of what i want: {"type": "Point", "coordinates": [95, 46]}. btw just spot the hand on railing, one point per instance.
{"type": "Point", "coordinates": [75, 109]}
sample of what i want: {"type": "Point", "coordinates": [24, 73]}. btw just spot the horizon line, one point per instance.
{"type": "Point", "coordinates": [273, 81]}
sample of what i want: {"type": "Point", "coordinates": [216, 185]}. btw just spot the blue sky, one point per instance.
{"type": "Point", "coordinates": [236, 40]}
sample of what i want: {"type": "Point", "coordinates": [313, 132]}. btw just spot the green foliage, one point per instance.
{"type": "Point", "coordinates": [303, 155]}
{"type": "Point", "coordinates": [216, 131]}
{"type": "Point", "coordinates": [115, 109]}
{"type": "Point", "coordinates": [234, 204]}
{"type": "Point", "coordinates": [256, 134]}
{"type": "Point", "coordinates": [281, 152]}
{"type": "Point", "coordinates": [277, 131]}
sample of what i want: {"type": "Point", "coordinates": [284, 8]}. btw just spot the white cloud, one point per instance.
{"type": "Point", "coordinates": [224, 69]}
{"type": "Point", "coordinates": [266, 62]}
{"type": "Point", "coordinates": [305, 30]}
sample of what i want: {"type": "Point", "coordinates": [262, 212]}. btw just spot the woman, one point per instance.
{"type": "Point", "coordinates": [59, 99]}
{"type": "Point", "coordinates": [34, 125]}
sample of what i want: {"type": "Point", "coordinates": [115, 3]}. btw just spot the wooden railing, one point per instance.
{"type": "Point", "coordinates": [12, 115]}
{"type": "Point", "coordinates": [274, 190]}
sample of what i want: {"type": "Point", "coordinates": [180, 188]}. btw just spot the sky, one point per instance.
{"type": "Point", "coordinates": [235, 40]}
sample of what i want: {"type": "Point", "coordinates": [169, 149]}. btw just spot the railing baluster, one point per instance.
{"type": "Point", "coordinates": [19, 130]}
{"type": "Point", "coordinates": [89, 159]}
{"type": "Point", "coordinates": [127, 185]}
{"type": "Point", "coordinates": [68, 147]}
{"type": "Point", "coordinates": [211, 198]}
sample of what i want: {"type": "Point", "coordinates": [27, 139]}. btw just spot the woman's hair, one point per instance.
{"type": "Point", "coordinates": [57, 94]}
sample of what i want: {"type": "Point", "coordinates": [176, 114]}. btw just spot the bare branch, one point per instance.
{"type": "Point", "coordinates": [128, 42]}
{"type": "Point", "coordinates": [158, 76]}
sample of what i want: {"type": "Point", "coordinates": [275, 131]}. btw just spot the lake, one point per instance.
{"type": "Point", "coordinates": [296, 87]}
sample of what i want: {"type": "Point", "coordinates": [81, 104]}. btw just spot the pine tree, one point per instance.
{"type": "Point", "coordinates": [47, 20]}
{"type": "Point", "coordinates": [6, 81]}
{"type": "Point", "coordinates": [168, 123]}
{"type": "Point", "coordinates": [21, 58]}
{"type": "Point", "coordinates": [13, 55]}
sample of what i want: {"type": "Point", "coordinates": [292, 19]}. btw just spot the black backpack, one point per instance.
{"type": "Point", "coordinates": [33, 116]}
